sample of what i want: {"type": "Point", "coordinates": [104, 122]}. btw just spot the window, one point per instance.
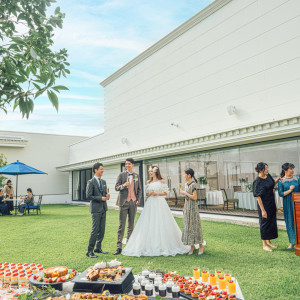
{"type": "Point", "coordinates": [79, 182]}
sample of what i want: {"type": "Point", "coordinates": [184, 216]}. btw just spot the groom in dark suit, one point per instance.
{"type": "Point", "coordinates": [96, 192]}
{"type": "Point", "coordinates": [130, 193]}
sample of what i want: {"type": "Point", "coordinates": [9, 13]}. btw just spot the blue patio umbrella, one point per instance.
{"type": "Point", "coordinates": [17, 168]}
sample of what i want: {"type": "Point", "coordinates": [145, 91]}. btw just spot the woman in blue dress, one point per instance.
{"type": "Point", "coordinates": [288, 185]}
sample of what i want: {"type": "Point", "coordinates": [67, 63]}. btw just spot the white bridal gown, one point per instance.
{"type": "Point", "coordinates": [156, 232]}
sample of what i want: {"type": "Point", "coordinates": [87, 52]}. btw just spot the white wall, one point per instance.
{"type": "Point", "coordinates": [44, 152]}
{"type": "Point", "coordinates": [246, 54]}
{"type": "Point", "coordinates": [90, 148]}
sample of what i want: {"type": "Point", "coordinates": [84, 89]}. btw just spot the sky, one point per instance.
{"type": "Point", "coordinates": [100, 36]}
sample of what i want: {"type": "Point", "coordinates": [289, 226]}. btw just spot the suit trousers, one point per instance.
{"type": "Point", "coordinates": [98, 230]}
{"type": "Point", "coordinates": [128, 208]}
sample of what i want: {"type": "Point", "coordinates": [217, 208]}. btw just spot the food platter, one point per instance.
{"type": "Point", "coordinates": [121, 286]}
{"type": "Point", "coordinates": [56, 285]}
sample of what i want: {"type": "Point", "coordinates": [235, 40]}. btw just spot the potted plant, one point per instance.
{"type": "Point", "coordinates": [202, 180]}
{"type": "Point", "coordinates": [243, 182]}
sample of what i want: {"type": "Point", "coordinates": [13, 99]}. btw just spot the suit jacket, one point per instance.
{"type": "Point", "coordinates": [123, 191]}
{"type": "Point", "coordinates": [94, 194]}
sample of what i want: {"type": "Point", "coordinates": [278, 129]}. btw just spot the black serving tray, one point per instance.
{"type": "Point", "coordinates": [121, 286]}
{"type": "Point", "coordinates": [189, 297]}
{"type": "Point", "coordinates": [57, 285]}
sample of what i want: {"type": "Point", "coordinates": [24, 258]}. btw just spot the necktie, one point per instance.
{"type": "Point", "coordinates": [100, 183]}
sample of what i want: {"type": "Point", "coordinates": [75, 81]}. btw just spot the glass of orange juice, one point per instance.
{"type": "Point", "coordinates": [196, 273]}
{"type": "Point", "coordinates": [222, 283]}
{"type": "Point", "coordinates": [232, 286]}
{"type": "Point", "coordinates": [227, 276]}
{"type": "Point", "coordinates": [218, 273]}
{"type": "Point", "coordinates": [205, 276]}
{"type": "Point", "coordinates": [213, 279]}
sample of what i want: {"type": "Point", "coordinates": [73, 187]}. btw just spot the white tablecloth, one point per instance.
{"type": "Point", "coordinates": [214, 198]}
{"type": "Point", "coordinates": [248, 201]}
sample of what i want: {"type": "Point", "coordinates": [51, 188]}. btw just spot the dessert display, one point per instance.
{"type": "Point", "coordinates": [172, 285]}
{"type": "Point", "coordinates": [143, 286]}
{"type": "Point", "coordinates": [111, 271]}
{"type": "Point", "coordinates": [18, 274]}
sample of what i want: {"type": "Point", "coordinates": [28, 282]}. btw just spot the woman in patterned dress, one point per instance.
{"type": "Point", "coordinates": [192, 231]}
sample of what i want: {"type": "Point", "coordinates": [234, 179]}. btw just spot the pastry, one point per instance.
{"type": "Point", "coordinates": [56, 272]}
{"type": "Point", "coordinates": [202, 296]}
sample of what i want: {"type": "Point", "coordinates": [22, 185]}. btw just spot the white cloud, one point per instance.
{"type": "Point", "coordinates": [85, 75]}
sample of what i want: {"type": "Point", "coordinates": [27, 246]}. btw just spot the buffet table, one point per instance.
{"type": "Point", "coordinates": [248, 201]}
{"type": "Point", "coordinates": [113, 281]}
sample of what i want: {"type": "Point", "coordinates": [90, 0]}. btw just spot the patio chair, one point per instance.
{"type": "Point", "coordinates": [226, 200]}
{"type": "Point", "coordinates": [176, 196]}
{"type": "Point", "coordinates": [201, 197]}
{"type": "Point", "coordinates": [237, 188]}
{"type": "Point", "coordinates": [36, 207]}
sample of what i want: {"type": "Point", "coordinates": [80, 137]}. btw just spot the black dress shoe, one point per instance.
{"type": "Point", "coordinates": [91, 255]}
{"type": "Point", "coordinates": [118, 251]}
{"type": "Point", "coordinates": [100, 251]}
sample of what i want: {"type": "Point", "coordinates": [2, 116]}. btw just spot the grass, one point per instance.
{"type": "Point", "coordinates": [60, 237]}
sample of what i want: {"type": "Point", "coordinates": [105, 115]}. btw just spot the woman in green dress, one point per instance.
{"type": "Point", "coordinates": [192, 231]}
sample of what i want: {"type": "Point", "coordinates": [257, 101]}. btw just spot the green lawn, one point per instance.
{"type": "Point", "coordinates": [60, 236]}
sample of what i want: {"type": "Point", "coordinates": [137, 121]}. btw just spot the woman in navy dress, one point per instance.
{"type": "Point", "coordinates": [263, 190]}
{"type": "Point", "coordinates": [288, 185]}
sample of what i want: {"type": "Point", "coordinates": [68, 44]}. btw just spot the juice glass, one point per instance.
{"type": "Point", "coordinates": [212, 279]}
{"type": "Point", "coordinates": [196, 273]}
{"type": "Point", "coordinates": [205, 276]}
{"type": "Point", "coordinates": [222, 283]}
{"type": "Point", "coordinates": [227, 277]}
{"type": "Point", "coordinates": [232, 286]}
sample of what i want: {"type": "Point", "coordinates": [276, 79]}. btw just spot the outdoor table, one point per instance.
{"type": "Point", "coordinates": [214, 198]}
{"type": "Point", "coordinates": [14, 204]}
{"type": "Point", "coordinates": [10, 204]}
{"type": "Point", "coordinates": [248, 201]}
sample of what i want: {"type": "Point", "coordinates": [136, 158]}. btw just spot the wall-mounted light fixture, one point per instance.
{"type": "Point", "coordinates": [231, 109]}
{"type": "Point", "coordinates": [124, 140]}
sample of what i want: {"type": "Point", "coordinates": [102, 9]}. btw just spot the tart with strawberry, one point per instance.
{"type": "Point", "coordinates": [187, 291]}
{"type": "Point", "coordinates": [202, 296]}
{"type": "Point", "coordinates": [195, 294]}
{"type": "Point", "coordinates": [232, 297]}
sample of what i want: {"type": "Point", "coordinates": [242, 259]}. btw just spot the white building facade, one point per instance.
{"type": "Point", "coordinates": [218, 94]}
{"type": "Point", "coordinates": [43, 152]}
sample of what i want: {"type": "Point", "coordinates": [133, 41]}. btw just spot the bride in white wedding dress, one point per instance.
{"type": "Point", "coordinates": [156, 232]}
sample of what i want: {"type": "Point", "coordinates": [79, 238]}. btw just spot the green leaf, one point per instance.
{"type": "Point", "coordinates": [18, 40]}
{"type": "Point", "coordinates": [16, 105]}
{"type": "Point", "coordinates": [9, 68]}
{"type": "Point", "coordinates": [60, 88]}
{"type": "Point", "coordinates": [36, 86]}
{"type": "Point", "coordinates": [30, 105]}
{"type": "Point", "coordinates": [57, 10]}
{"type": "Point", "coordinates": [40, 92]}
{"type": "Point", "coordinates": [53, 98]}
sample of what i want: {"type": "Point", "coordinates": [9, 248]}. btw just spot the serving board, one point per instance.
{"type": "Point", "coordinates": [57, 285]}
{"type": "Point", "coordinates": [121, 286]}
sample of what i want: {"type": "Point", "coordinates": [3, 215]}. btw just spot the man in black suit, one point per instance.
{"type": "Point", "coordinates": [96, 192]}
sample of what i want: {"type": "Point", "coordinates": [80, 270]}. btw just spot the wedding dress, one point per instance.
{"type": "Point", "coordinates": [156, 232]}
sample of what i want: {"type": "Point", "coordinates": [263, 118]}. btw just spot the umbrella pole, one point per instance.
{"type": "Point", "coordinates": [17, 188]}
